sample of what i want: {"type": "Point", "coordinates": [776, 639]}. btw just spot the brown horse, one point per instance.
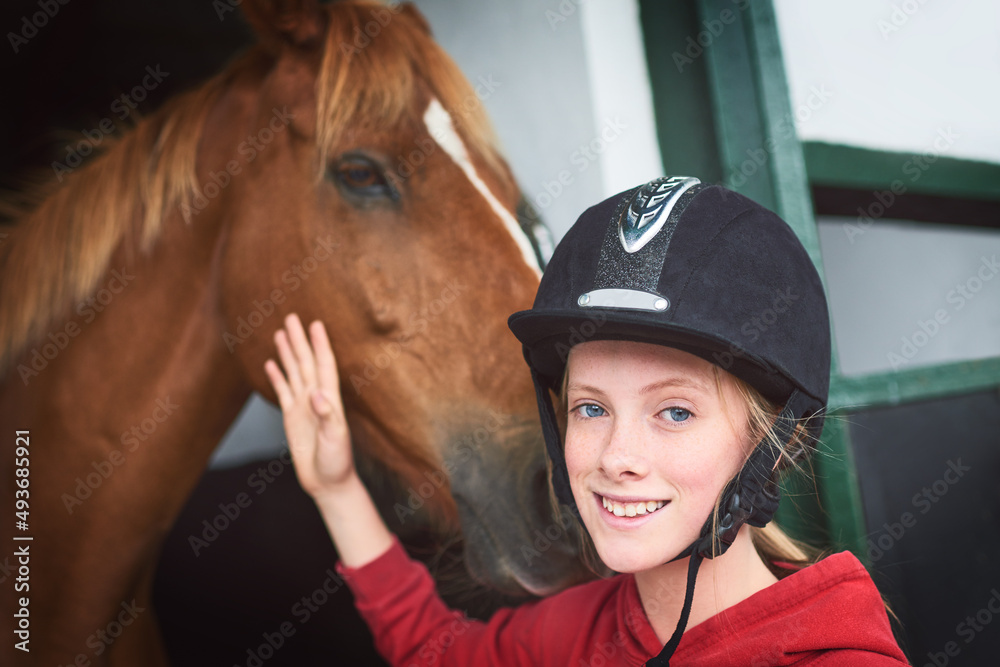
{"type": "Point", "coordinates": [349, 180]}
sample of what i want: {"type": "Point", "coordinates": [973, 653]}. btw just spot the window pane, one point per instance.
{"type": "Point", "coordinates": [906, 294]}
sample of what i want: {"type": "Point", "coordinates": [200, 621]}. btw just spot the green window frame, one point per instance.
{"type": "Point", "coordinates": [723, 110]}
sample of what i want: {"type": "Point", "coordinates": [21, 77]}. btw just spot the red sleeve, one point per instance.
{"type": "Point", "coordinates": [412, 626]}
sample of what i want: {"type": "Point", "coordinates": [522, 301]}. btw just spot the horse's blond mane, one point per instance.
{"type": "Point", "coordinates": [58, 252]}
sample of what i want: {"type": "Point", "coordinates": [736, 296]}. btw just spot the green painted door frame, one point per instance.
{"type": "Point", "coordinates": [724, 113]}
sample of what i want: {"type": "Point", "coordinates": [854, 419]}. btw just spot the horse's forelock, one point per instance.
{"type": "Point", "coordinates": [376, 73]}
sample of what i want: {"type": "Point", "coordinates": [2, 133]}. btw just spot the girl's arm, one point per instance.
{"type": "Point", "coordinates": [395, 595]}
{"type": "Point", "coordinates": [309, 395]}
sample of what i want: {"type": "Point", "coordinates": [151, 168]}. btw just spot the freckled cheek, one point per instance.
{"type": "Point", "coordinates": [699, 483]}
{"type": "Point", "coordinates": [582, 457]}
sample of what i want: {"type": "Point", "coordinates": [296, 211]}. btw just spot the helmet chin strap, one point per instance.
{"type": "Point", "coordinates": [751, 497]}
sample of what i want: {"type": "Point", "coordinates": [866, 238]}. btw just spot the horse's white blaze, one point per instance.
{"type": "Point", "coordinates": [439, 124]}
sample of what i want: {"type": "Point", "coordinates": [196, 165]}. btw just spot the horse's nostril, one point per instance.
{"type": "Point", "coordinates": [385, 320]}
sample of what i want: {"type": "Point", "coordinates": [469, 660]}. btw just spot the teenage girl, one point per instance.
{"type": "Point", "coordinates": [683, 332]}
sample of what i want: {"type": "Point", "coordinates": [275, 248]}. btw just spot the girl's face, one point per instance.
{"type": "Point", "coordinates": [651, 440]}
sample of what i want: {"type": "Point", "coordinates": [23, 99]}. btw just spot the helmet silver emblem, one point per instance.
{"type": "Point", "coordinates": [649, 209]}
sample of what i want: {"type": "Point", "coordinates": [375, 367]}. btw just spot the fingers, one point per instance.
{"type": "Point", "coordinates": [288, 361]}
{"type": "Point", "coordinates": [326, 365]}
{"type": "Point", "coordinates": [306, 363]}
{"type": "Point", "coordinates": [303, 352]}
{"type": "Point", "coordinates": [278, 382]}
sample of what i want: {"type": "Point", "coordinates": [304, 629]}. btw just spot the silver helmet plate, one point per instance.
{"type": "Point", "coordinates": [649, 209]}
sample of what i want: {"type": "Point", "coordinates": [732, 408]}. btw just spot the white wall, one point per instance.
{"type": "Point", "coordinates": [898, 70]}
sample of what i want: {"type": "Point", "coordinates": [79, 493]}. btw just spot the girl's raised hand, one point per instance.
{"type": "Point", "coordinates": [309, 395]}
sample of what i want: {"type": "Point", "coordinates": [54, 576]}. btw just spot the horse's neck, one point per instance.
{"type": "Point", "coordinates": [124, 400]}
{"type": "Point", "coordinates": [136, 376]}
{"type": "Point", "coordinates": [138, 369]}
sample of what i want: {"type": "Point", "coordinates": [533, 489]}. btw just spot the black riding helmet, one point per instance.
{"type": "Point", "coordinates": [701, 269]}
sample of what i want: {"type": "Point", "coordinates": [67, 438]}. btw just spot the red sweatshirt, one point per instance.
{"type": "Point", "coordinates": [827, 614]}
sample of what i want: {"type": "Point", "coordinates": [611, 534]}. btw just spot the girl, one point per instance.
{"type": "Point", "coordinates": [684, 331]}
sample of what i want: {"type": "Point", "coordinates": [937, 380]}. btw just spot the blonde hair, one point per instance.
{"type": "Point", "coordinates": [782, 554]}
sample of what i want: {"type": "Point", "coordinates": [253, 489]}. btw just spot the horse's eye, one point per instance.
{"type": "Point", "coordinates": [363, 177]}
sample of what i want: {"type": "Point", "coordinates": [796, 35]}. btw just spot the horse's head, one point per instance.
{"type": "Point", "coordinates": [362, 187]}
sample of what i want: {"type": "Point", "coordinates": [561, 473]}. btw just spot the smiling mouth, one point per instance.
{"type": "Point", "coordinates": [631, 509]}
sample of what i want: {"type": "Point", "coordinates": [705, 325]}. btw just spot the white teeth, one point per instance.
{"type": "Point", "coordinates": [631, 509]}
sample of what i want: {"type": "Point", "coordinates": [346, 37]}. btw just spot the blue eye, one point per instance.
{"type": "Point", "coordinates": [590, 410]}
{"type": "Point", "coordinates": [677, 414]}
